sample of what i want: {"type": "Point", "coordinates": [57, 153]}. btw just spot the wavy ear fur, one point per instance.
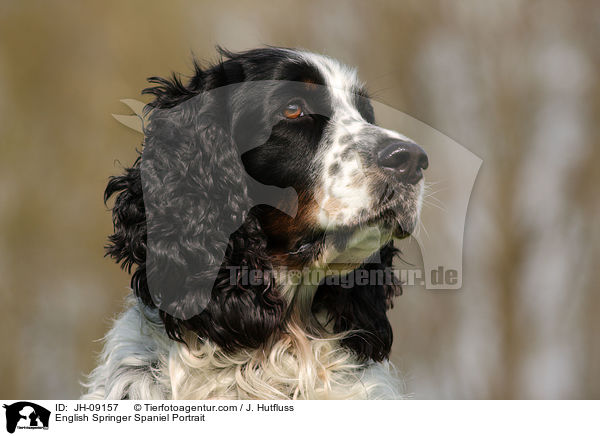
{"type": "Point", "coordinates": [362, 310]}
{"type": "Point", "coordinates": [182, 216]}
{"type": "Point", "coordinates": [241, 312]}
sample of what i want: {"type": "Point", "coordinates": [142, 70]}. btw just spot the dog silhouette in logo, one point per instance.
{"type": "Point", "coordinates": [26, 414]}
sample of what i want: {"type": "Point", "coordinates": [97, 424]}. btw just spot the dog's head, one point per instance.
{"type": "Point", "coordinates": [224, 155]}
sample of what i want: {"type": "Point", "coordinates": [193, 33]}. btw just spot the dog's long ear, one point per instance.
{"type": "Point", "coordinates": [362, 308]}
{"type": "Point", "coordinates": [177, 209]}
{"type": "Point", "coordinates": [195, 196]}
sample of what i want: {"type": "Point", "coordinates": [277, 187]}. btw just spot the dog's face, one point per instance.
{"type": "Point", "coordinates": [323, 142]}
{"type": "Point", "coordinates": [192, 220]}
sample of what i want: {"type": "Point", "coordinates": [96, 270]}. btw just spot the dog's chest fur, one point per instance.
{"type": "Point", "coordinates": [140, 362]}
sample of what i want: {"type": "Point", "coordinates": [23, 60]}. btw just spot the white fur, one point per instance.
{"type": "Point", "coordinates": [345, 194]}
{"type": "Point", "coordinates": [140, 362]}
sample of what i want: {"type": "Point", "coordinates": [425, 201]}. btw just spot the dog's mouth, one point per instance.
{"type": "Point", "coordinates": [387, 220]}
{"type": "Point", "coordinates": [390, 219]}
{"type": "Point", "coordinates": [394, 213]}
{"type": "Point", "coordinates": [398, 208]}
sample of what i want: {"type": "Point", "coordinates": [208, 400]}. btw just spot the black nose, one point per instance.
{"type": "Point", "coordinates": [407, 160]}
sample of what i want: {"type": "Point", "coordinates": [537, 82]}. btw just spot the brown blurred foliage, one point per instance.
{"type": "Point", "coordinates": [516, 82]}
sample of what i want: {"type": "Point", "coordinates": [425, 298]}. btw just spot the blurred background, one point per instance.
{"type": "Point", "coordinates": [516, 82]}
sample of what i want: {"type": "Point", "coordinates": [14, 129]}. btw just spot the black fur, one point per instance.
{"type": "Point", "coordinates": [190, 197]}
{"type": "Point", "coordinates": [362, 309]}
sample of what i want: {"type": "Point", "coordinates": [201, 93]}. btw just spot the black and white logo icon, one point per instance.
{"type": "Point", "coordinates": [26, 415]}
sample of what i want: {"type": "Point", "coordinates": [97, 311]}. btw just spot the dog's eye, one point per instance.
{"type": "Point", "coordinates": [293, 111]}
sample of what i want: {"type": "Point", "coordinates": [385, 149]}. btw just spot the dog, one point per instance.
{"type": "Point", "coordinates": [263, 165]}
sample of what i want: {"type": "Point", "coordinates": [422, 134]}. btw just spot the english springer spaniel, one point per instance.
{"type": "Point", "coordinates": [260, 220]}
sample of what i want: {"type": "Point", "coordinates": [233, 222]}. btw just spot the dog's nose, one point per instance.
{"type": "Point", "coordinates": [407, 159]}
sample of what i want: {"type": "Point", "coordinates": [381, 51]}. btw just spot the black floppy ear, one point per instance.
{"type": "Point", "coordinates": [201, 234]}
{"type": "Point", "coordinates": [182, 215]}
{"type": "Point", "coordinates": [195, 197]}
{"type": "Point", "coordinates": [362, 308]}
